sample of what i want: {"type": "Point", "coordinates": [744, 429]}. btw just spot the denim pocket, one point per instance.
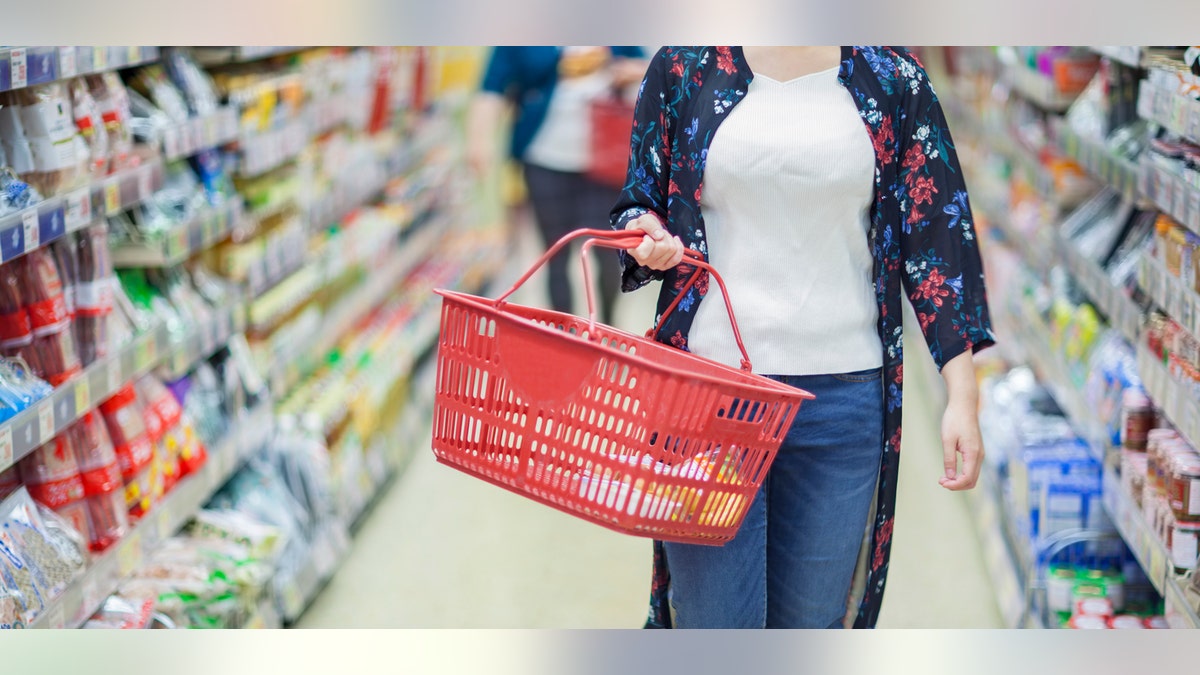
{"type": "Point", "coordinates": [860, 376]}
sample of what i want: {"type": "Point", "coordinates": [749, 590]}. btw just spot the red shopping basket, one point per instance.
{"type": "Point", "coordinates": [608, 426]}
{"type": "Point", "coordinates": [611, 128]}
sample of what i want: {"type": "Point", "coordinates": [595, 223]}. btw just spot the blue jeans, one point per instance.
{"type": "Point", "coordinates": [792, 562]}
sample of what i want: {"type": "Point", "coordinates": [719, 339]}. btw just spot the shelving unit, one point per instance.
{"type": "Point", "coordinates": [105, 573]}
{"type": "Point", "coordinates": [22, 67]}
{"type": "Point", "coordinates": [206, 229]}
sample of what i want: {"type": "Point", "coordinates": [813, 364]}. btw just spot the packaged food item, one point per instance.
{"type": "Point", "coordinates": [127, 428]}
{"type": "Point", "coordinates": [60, 156]}
{"type": "Point", "coordinates": [64, 258]}
{"type": "Point", "coordinates": [122, 614]}
{"type": "Point", "coordinates": [1183, 487]}
{"type": "Point", "coordinates": [16, 145]}
{"type": "Point", "coordinates": [102, 482]}
{"type": "Point", "coordinates": [1183, 541]}
{"type": "Point", "coordinates": [89, 122]}
{"type": "Point", "coordinates": [1157, 622]}
{"type": "Point", "coordinates": [19, 388]}
{"type": "Point", "coordinates": [1126, 622]}
{"type": "Point", "coordinates": [113, 101]}
{"type": "Point", "coordinates": [16, 329]}
{"type": "Point", "coordinates": [94, 294]}
{"type": "Point", "coordinates": [1088, 622]}
{"type": "Point", "coordinates": [194, 82]}
{"type": "Point", "coordinates": [53, 351]}
{"type": "Point", "coordinates": [10, 480]}
{"type": "Point", "coordinates": [52, 477]}
{"type": "Point", "coordinates": [44, 552]}
{"type": "Point", "coordinates": [1138, 418]}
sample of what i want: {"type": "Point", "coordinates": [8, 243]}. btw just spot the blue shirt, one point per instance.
{"type": "Point", "coordinates": [527, 76]}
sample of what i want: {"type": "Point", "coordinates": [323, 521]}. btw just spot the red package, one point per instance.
{"type": "Point", "coordinates": [168, 463]}
{"type": "Point", "coordinates": [64, 259]}
{"type": "Point", "coordinates": [43, 294]}
{"type": "Point", "coordinates": [16, 331]}
{"type": "Point", "coordinates": [94, 293]}
{"type": "Point", "coordinates": [127, 428]}
{"type": "Point", "coordinates": [51, 474]}
{"type": "Point", "coordinates": [102, 482]}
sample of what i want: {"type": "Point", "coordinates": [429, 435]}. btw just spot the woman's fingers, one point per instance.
{"type": "Point", "coordinates": [658, 249]}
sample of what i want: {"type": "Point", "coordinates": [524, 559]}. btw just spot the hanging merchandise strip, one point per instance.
{"type": "Point", "coordinates": [1121, 311]}
{"type": "Point", "coordinates": [207, 229]}
{"type": "Point", "coordinates": [106, 572]}
{"type": "Point", "coordinates": [199, 133]}
{"type": "Point", "coordinates": [1175, 112]}
{"type": "Point", "coordinates": [1172, 193]}
{"type": "Point", "coordinates": [1170, 293]}
{"type": "Point", "coordinates": [41, 224]}
{"type": "Point", "coordinates": [22, 67]}
{"type": "Point", "coordinates": [1122, 174]}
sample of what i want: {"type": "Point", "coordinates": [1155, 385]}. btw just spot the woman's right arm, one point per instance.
{"type": "Point", "coordinates": [643, 202]}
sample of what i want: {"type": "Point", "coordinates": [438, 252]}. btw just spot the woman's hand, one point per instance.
{"type": "Point", "coordinates": [658, 250]}
{"type": "Point", "coordinates": [960, 425]}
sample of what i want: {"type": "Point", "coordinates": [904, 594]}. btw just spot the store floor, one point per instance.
{"type": "Point", "coordinates": [443, 550]}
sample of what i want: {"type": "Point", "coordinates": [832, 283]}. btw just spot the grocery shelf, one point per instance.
{"type": "Point", "coordinates": [1171, 193]}
{"type": "Point", "coordinates": [269, 150]}
{"type": "Point", "coordinates": [1176, 113]}
{"type": "Point", "coordinates": [1037, 257]}
{"type": "Point", "coordinates": [106, 571]}
{"type": "Point", "coordinates": [1177, 402]}
{"type": "Point", "coordinates": [1032, 334]}
{"type": "Point", "coordinates": [215, 56]}
{"type": "Point", "coordinates": [1037, 88]}
{"type": "Point", "coordinates": [45, 419]}
{"type": "Point", "coordinates": [205, 230]}
{"type": "Point", "coordinates": [200, 133]}
{"type": "Point", "coordinates": [22, 67]}
{"type": "Point", "coordinates": [1148, 548]}
{"type": "Point", "coordinates": [1005, 566]}
{"type": "Point", "coordinates": [305, 354]}
{"type": "Point", "coordinates": [1121, 311]}
{"type": "Point", "coordinates": [50, 219]}
{"type": "Point", "coordinates": [328, 549]}
{"type": "Point", "coordinates": [1122, 174]}
{"type": "Point", "coordinates": [1170, 293]}
{"type": "Point", "coordinates": [205, 339]}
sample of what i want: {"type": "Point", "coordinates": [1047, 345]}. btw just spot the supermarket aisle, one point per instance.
{"type": "Point", "coordinates": [444, 550]}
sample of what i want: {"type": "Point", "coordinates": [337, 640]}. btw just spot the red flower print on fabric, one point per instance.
{"type": "Point", "coordinates": [925, 319]}
{"type": "Point", "coordinates": [914, 159]}
{"type": "Point", "coordinates": [922, 190]}
{"type": "Point", "coordinates": [882, 539]}
{"type": "Point", "coordinates": [882, 138]}
{"type": "Point", "coordinates": [725, 60]}
{"type": "Point", "coordinates": [932, 288]}
{"type": "Point", "coordinates": [678, 341]}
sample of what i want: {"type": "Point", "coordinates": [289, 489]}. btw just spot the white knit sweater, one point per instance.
{"type": "Point", "coordinates": [788, 184]}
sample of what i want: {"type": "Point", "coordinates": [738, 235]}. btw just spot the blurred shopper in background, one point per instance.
{"type": "Point", "coordinates": [551, 91]}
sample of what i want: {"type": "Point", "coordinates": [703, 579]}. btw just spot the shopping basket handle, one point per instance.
{"type": "Point", "coordinates": [627, 239]}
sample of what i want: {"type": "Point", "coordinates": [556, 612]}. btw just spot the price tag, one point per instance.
{"type": "Point", "coordinates": [99, 58]}
{"type": "Point", "coordinates": [112, 196]}
{"type": "Point", "coordinates": [83, 396]}
{"type": "Point", "coordinates": [129, 556]}
{"type": "Point", "coordinates": [29, 222]}
{"type": "Point", "coordinates": [66, 62]}
{"type": "Point", "coordinates": [6, 446]}
{"type": "Point", "coordinates": [114, 375]}
{"type": "Point", "coordinates": [78, 209]}
{"type": "Point", "coordinates": [46, 421]}
{"type": "Point", "coordinates": [20, 70]}
{"type": "Point", "coordinates": [145, 183]}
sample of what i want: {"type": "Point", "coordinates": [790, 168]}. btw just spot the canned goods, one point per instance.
{"type": "Point", "coordinates": [1137, 419]}
{"type": "Point", "coordinates": [1183, 487]}
{"type": "Point", "coordinates": [1184, 544]}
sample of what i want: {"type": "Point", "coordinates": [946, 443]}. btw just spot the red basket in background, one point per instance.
{"type": "Point", "coordinates": [612, 427]}
{"type": "Point", "coordinates": [612, 126]}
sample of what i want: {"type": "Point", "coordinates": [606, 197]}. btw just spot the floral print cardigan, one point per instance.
{"type": "Point", "coordinates": [921, 233]}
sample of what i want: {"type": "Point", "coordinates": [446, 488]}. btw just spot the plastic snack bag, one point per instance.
{"type": "Point", "coordinates": [52, 477]}
{"type": "Point", "coordinates": [89, 122]}
{"type": "Point", "coordinates": [127, 428]}
{"type": "Point", "coordinates": [94, 294]}
{"type": "Point", "coordinates": [113, 102]}
{"type": "Point", "coordinates": [60, 156]}
{"type": "Point", "coordinates": [100, 470]}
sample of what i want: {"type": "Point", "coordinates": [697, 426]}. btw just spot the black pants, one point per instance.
{"type": "Point", "coordinates": [565, 201]}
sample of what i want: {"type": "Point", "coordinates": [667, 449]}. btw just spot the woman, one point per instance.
{"type": "Point", "coordinates": [551, 89]}
{"type": "Point", "coordinates": [822, 183]}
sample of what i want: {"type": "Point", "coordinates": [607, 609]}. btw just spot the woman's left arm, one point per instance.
{"type": "Point", "coordinates": [943, 271]}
